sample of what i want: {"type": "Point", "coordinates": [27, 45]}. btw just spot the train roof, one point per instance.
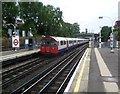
{"type": "Point", "coordinates": [58, 38]}
{"type": "Point", "coordinates": [61, 38]}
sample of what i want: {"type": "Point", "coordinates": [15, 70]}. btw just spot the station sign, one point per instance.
{"type": "Point", "coordinates": [15, 41]}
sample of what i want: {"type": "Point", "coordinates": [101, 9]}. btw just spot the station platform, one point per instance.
{"type": "Point", "coordinates": [97, 71]}
{"type": "Point", "coordinates": [6, 55]}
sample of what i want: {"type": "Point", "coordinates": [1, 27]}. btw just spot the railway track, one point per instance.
{"type": "Point", "coordinates": [12, 76]}
{"type": "Point", "coordinates": [12, 62]}
{"type": "Point", "coordinates": [52, 79]}
{"type": "Point", "coordinates": [20, 71]}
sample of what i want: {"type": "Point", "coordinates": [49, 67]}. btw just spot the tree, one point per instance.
{"type": "Point", "coordinates": [53, 17]}
{"type": "Point", "coordinates": [75, 29]}
{"type": "Point", "coordinates": [31, 13]}
{"type": "Point", "coordinates": [40, 18]}
{"type": "Point", "coordinates": [9, 13]}
{"type": "Point", "coordinates": [105, 33]}
{"type": "Point", "coordinates": [117, 33]}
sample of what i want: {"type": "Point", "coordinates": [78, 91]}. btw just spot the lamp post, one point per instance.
{"type": "Point", "coordinates": [14, 32]}
{"type": "Point", "coordinates": [111, 35]}
{"type": "Point", "coordinates": [13, 27]}
{"type": "Point", "coordinates": [100, 34]}
{"type": "Point", "coordinates": [100, 39]}
{"type": "Point", "coordinates": [15, 36]}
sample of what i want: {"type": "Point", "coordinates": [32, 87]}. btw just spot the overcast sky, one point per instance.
{"type": "Point", "coordinates": [86, 12]}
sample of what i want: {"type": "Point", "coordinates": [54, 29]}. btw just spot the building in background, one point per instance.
{"type": "Point", "coordinates": [119, 10]}
{"type": "Point", "coordinates": [117, 23]}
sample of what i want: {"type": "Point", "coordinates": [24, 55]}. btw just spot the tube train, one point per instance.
{"type": "Point", "coordinates": [55, 45]}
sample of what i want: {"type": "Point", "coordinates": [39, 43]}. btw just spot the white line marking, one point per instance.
{"type": "Point", "coordinates": [109, 86]}
{"type": "Point", "coordinates": [104, 71]}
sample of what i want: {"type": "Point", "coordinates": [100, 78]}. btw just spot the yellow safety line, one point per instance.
{"type": "Point", "coordinates": [77, 85]}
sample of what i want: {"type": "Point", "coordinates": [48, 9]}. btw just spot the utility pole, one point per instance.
{"type": "Point", "coordinates": [111, 42]}
{"type": "Point", "coordinates": [100, 39]}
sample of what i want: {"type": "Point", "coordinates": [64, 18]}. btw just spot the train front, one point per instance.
{"type": "Point", "coordinates": [48, 46]}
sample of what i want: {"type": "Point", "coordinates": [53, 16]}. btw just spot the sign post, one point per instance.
{"type": "Point", "coordinates": [111, 42]}
{"type": "Point", "coordinates": [15, 42]}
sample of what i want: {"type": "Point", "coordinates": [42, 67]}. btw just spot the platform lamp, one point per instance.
{"type": "Point", "coordinates": [100, 35]}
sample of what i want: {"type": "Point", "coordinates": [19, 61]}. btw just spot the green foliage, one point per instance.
{"type": "Point", "coordinates": [105, 33]}
{"type": "Point", "coordinates": [117, 33]}
{"type": "Point", "coordinates": [4, 32]}
{"type": "Point", "coordinates": [9, 11]}
{"type": "Point", "coordinates": [43, 20]}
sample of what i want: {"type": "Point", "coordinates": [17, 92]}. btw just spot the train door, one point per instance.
{"type": "Point", "coordinates": [67, 44]}
{"type": "Point", "coordinates": [47, 47]}
{"type": "Point", "coordinates": [73, 43]}
{"type": "Point", "coordinates": [42, 47]}
{"type": "Point", "coordinates": [54, 47]}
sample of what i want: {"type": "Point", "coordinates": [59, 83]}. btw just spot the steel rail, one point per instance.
{"type": "Point", "coordinates": [20, 72]}
{"type": "Point", "coordinates": [27, 85]}
{"type": "Point", "coordinates": [64, 83]}
{"type": "Point", "coordinates": [62, 63]}
{"type": "Point", "coordinates": [46, 87]}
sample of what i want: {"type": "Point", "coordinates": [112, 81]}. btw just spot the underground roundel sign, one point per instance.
{"type": "Point", "coordinates": [15, 41]}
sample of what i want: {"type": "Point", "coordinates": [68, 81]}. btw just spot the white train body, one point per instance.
{"type": "Point", "coordinates": [55, 45]}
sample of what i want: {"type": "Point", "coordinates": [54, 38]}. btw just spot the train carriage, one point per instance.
{"type": "Point", "coordinates": [48, 45]}
{"type": "Point", "coordinates": [55, 45]}
{"type": "Point", "coordinates": [62, 43]}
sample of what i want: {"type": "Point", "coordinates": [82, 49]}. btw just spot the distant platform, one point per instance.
{"type": "Point", "coordinates": [6, 55]}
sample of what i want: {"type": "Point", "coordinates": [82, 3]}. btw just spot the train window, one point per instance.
{"type": "Point", "coordinates": [53, 43]}
{"type": "Point", "coordinates": [61, 42]}
{"type": "Point", "coordinates": [43, 43]}
{"type": "Point", "coordinates": [68, 42]}
{"type": "Point", "coordinates": [64, 42]}
{"type": "Point", "coordinates": [71, 41]}
{"type": "Point", "coordinates": [47, 42]}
